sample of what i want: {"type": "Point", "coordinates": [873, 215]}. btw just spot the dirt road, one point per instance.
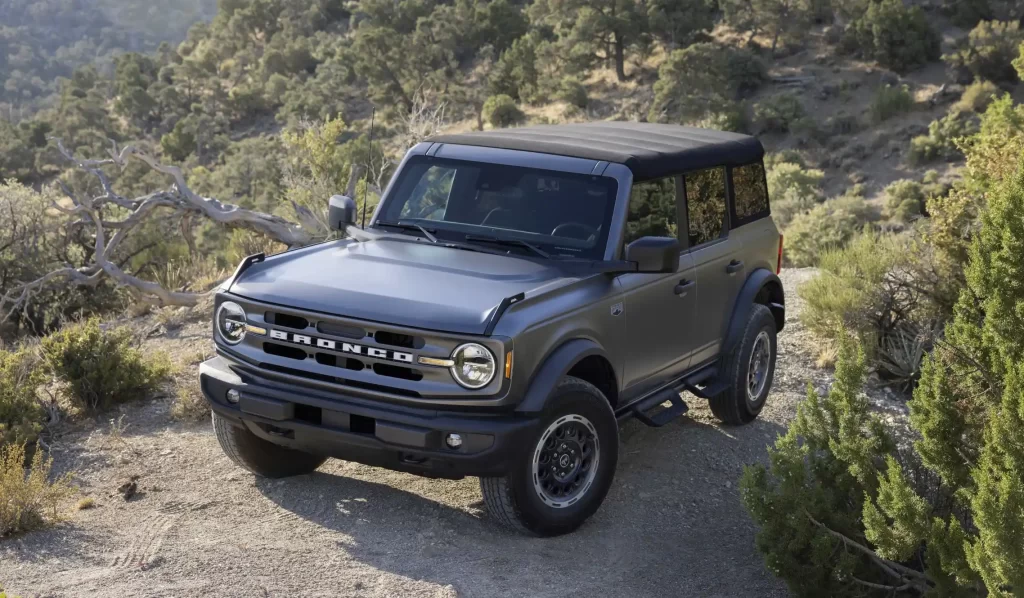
{"type": "Point", "coordinates": [672, 524]}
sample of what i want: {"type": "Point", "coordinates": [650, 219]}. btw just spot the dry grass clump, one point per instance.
{"type": "Point", "coordinates": [28, 498]}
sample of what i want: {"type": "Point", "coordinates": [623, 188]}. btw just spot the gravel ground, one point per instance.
{"type": "Point", "coordinates": [672, 524]}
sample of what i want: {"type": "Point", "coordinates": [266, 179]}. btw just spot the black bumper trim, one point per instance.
{"type": "Point", "coordinates": [409, 440]}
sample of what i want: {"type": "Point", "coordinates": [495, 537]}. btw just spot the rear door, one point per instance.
{"type": "Point", "coordinates": [717, 259]}
{"type": "Point", "coordinates": [659, 308]}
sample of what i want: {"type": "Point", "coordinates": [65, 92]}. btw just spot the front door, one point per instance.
{"type": "Point", "coordinates": [659, 308]}
{"type": "Point", "coordinates": [717, 259]}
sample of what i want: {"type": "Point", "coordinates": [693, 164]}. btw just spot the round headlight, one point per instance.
{"type": "Point", "coordinates": [231, 322]}
{"type": "Point", "coordinates": [474, 366]}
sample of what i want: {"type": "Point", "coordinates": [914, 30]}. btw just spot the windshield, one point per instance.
{"type": "Point", "coordinates": [564, 214]}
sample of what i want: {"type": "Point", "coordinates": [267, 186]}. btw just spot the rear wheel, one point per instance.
{"type": "Point", "coordinates": [748, 370]}
{"type": "Point", "coordinates": [259, 456]}
{"type": "Point", "coordinates": [564, 473]}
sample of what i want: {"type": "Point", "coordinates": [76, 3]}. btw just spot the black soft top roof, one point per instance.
{"type": "Point", "coordinates": [649, 150]}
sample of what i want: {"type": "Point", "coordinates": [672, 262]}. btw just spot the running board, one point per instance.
{"type": "Point", "coordinates": [659, 417]}
{"type": "Point", "coordinates": [705, 384]}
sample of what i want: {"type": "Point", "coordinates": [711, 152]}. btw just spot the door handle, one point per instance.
{"type": "Point", "coordinates": [683, 287]}
{"type": "Point", "coordinates": [734, 267]}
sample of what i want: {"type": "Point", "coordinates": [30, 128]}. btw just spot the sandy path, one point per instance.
{"type": "Point", "coordinates": [672, 524]}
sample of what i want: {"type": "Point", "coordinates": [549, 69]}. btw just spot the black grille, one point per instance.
{"type": "Point", "coordinates": [300, 373]}
{"type": "Point", "coordinates": [340, 330]}
{"type": "Point", "coordinates": [284, 351]}
{"type": "Point", "coordinates": [334, 380]}
{"type": "Point", "coordinates": [397, 371]}
{"type": "Point", "coordinates": [398, 340]}
{"type": "Point", "coordinates": [286, 320]}
{"type": "Point", "coordinates": [339, 362]}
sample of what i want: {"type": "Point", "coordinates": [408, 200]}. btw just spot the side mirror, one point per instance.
{"type": "Point", "coordinates": [341, 212]}
{"type": "Point", "coordinates": [654, 254]}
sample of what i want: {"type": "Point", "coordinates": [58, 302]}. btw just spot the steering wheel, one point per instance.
{"type": "Point", "coordinates": [590, 231]}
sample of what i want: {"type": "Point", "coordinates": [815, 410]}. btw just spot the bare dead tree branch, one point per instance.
{"type": "Point", "coordinates": [92, 212]}
{"type": "Point", "coordinates": [907, 577]}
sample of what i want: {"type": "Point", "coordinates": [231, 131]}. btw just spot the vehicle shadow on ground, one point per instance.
{"type": "Point", "coordinates": [672, 523]}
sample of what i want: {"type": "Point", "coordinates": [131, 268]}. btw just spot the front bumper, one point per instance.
{"type": "Point", "coordinates": [383, 435]}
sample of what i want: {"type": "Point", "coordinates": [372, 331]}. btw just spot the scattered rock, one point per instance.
{"type": "Point", "coordinates": [129, 489]}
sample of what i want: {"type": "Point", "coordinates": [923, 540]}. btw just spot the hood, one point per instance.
{"type": "Point", "coordinates": [400, 282]}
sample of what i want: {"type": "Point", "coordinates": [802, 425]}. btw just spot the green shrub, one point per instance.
{"type": "Point", "coordinates": [793, 189]}
{"type": "Point", "coordinates": [976, 97]}
{"type": "Point", "coordinates": [98, 368]}
{"type": "Point", "coordinates": [941, 140]}
{"type": "Point", "coordinates": [21, 414]}
{"type": "Point", "coordinates": [890, 101]}
{"type": "Point", "coordinates": [904, 200]}
{"type": "Point", "coordinates": [840, 507]}
{"type": "Point", "coordinates": [28, 499]}
{"type": "Point", "coordinates": [897, 36]}
{"type": "Point", "coordinates": [501, 111]}
{"type": "Point", "coordinates": [826, 226]}
{"type": "Point", "coordinates": [515, 73]}
{"type": "Point", "coordinates": [778, 114]}
{"type": "Point", "coordinates": [571, 91]}
{"type": "Point", "coordinates": [729, 116]}
{"type": "Point", "coordinates": [864, 289]}
{"type": "Point", "coordinates": [1018, 62]}
{"type": "Point", "coordinates": [698, 80]}
{"type": "Point", "coordinates": [987, 53]}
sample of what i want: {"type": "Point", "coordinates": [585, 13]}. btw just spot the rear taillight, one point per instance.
{"type": "Point", "coordinates": [778, 265]}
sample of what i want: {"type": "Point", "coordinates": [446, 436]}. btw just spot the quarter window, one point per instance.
{"type": "Point", "coordinates": [705, 205]}
{"type": "Point", "coordinates": [750, 194]}
{"type": "Point", "coordinates": [652, 210]}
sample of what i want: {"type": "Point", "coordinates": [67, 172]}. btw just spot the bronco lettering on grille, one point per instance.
{"type": "Point", "coordinates": [323, 343]}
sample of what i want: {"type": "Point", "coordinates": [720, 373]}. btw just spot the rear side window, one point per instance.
{"type": "Point", "coordinates": [750, 193]}
{"type": "Point", "coordinates": [652, 210]}
{"type": "Point", "coordinates": [705, 204]}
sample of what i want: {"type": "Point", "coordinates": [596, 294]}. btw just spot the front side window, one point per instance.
{"type": "Point", "coordinates": [565, 214]}
{"type": "Point", "coordinates": [652, 210]}
{"type": "Point", "coordinates": [705, 204]}
{"type": "Point", "coordinates": [750, 193]}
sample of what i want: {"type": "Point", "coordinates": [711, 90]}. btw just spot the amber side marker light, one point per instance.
{"type": "Point", "coordinates": [778, 266]}
{"type": "Point", "coordinates": [508, 365]}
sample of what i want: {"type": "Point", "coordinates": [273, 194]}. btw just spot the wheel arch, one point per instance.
{"type": "Point", "coordinates": [582, 358]}
{"type": "Point", "coordinates": [764, 287]}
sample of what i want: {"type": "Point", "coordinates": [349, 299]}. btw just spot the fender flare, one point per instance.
{"type": "Point", "coordinates": [744, 300]}
{"type": "Point", "coordinates": [555, 367]}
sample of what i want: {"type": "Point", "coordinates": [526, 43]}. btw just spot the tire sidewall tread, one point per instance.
{"type": "Point", "coordinates": [731, 406]}
{"type": "Point", "coordinates": [512, 499]}
{"type": "Point", "coordinates": [259, 456]}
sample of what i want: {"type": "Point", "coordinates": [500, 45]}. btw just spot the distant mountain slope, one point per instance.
{"type": "Point", "coordinates": [41, 40]}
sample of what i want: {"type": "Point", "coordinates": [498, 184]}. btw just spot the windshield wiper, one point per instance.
{"type": "Point", "coordinates": [509, 242]}
{"type": "Point", "coordinates": [409, 226]}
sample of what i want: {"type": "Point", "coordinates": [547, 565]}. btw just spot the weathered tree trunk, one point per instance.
{"type": "Point", "coordinates": [620, 57]}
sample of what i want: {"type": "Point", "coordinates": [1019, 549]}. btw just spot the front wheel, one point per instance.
{"type": "Point", "coordinates": [564, 473]}
{"type": "Point", "coordinates": [259, 456]}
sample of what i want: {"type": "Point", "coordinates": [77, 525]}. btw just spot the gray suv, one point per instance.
{"type": "Point", "coordinates": [515, 295]}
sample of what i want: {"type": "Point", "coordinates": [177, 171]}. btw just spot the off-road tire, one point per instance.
{"type": "Point", "coordinates": [262, 458]}
{"type": "Point", "coordinates": [732, 405]}
{"type": "Point", "coordinates": [513, 501]}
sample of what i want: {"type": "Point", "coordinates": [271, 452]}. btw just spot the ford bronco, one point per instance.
{"type": "Point", "coordinates": [515, 295]}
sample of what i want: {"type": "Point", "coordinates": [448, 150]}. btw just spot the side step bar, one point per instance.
{"type": "Point", "coordinates": [705, 384]}
{"type": "Point", "coordinates": [659, 417]}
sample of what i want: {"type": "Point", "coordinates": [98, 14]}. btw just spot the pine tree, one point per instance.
{"type": "Point", "coordinates": [944, 516]}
